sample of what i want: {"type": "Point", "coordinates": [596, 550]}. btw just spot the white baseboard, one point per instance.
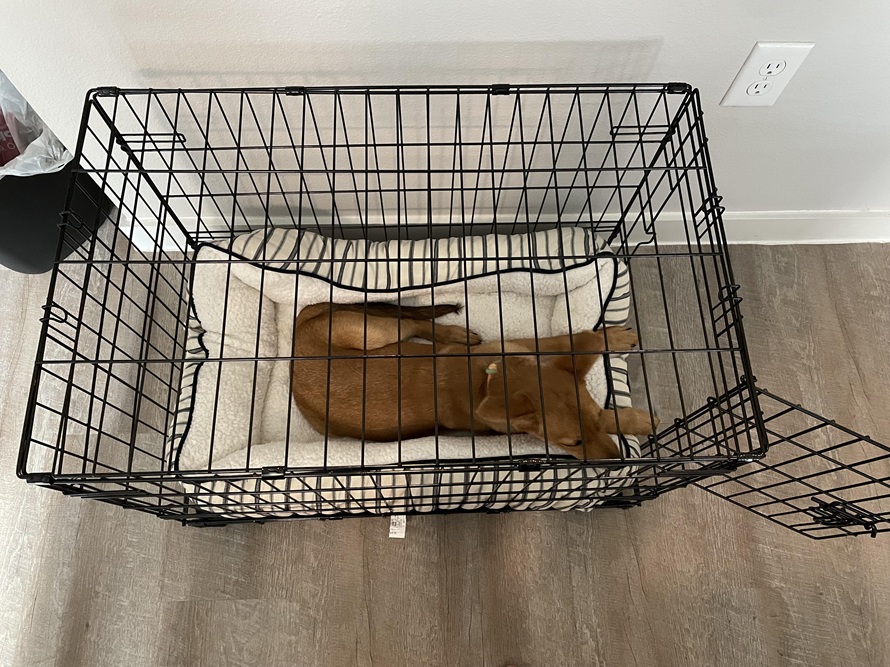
{"type": "Point", "coordinates": [791, 227]}
{"type": "Point", "coordinates": [754, 227]}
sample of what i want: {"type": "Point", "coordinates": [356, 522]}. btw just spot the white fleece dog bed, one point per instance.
{"type": "Point", "coordinates": [239, 415]}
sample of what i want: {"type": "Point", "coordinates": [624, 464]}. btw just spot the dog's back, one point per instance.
{"type": "Point", "coordinates": [371, 394]}
{"type": "Point", "coordinates": [357, 374]}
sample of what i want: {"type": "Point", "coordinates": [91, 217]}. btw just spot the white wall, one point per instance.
{"type": "Point", "coordinates": [825, 146]}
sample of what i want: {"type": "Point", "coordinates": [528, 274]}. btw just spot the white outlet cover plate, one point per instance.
{"type": "Point", "coordinates": [791, 53]}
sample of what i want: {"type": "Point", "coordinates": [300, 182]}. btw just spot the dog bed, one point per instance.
{"type": "Point", "coordinates": [239, 415]}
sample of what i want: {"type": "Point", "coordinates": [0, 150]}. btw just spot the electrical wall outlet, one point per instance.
{"type": "Point", "coordinates": [758, 88]}
{"type": "Point", "coordinates": [767, 70]}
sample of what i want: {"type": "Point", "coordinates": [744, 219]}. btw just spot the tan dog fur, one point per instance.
{"type": "Point", "coordinates": [408, 393]}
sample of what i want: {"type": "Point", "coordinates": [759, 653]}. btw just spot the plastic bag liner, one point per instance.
{"type": "Point", "coordinates": [39, 150]}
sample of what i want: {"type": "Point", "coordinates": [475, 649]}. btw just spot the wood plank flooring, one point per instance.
{"type": "Point", "coordinates": [684, 580]}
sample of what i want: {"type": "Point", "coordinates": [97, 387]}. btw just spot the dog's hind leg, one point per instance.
{"type": "Point", "coordinates": [445, 333]}
{"type": "Point", "coordinates": [614, 339]}
{"type": "Point", "coordinates": [360, 331]}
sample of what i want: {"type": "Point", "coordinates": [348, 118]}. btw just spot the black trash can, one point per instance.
{"type": "Point", "coordinates": [30, 216]}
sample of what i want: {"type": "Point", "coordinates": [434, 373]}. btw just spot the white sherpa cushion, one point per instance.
{"type": "Point", "coordinates": [240, 414]}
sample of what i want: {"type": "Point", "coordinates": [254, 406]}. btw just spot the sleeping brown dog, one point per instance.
{"type": "Point", "coordinates": [409, 394]}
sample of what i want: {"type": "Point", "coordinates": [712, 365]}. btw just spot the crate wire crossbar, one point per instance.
{"type": "Point", "coordinates": [186, 168]}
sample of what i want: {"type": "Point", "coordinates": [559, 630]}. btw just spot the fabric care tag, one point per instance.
{"type": "Point", "coordinates": [397, 524]}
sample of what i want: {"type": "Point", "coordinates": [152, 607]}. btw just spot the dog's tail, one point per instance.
{"type": "Point", "coordinates": [404, 312]}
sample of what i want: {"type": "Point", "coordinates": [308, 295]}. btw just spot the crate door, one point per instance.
{"type": "Point", "coordinates": [818, 478]}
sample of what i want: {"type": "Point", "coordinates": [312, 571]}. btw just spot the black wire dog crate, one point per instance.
{"type": "Point", "coordinates": [164, 375]}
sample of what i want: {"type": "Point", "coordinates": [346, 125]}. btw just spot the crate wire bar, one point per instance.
{"type": "Point", "coordinates": [188, 169]}
{"type": "Point", "coordinates": [821, 479]}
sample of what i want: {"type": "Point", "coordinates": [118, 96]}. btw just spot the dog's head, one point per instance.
{"type": "Point", "coordinates": [549, 400]}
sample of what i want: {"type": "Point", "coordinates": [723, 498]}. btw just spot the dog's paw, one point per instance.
{"type": "Point", "coordinates": [621, 338]}
{"type": "Point", "coordinates": [650, 425]}
{"type": "Point", "coordinates": [449, 333]}
{"type": "Point", "coordinates": [473, 338]}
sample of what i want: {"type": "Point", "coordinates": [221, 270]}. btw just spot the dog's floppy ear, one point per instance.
{"type": "Point", "coordinates": [492, 410]}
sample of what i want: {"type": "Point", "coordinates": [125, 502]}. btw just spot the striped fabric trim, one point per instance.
{"type": "Point", "coordinates": [618, 306]}
{"type": "Point", "coordinates": [196, 352]}
{"type": "Point", "coordinates": [619, 386]}
{"type": "Point", "coordinates": [389, 265]}
{"type": "Point", "coordinates": [551, 488]}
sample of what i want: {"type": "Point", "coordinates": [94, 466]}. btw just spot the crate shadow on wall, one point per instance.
{"type": "Point", "coordinates": [405, 63]}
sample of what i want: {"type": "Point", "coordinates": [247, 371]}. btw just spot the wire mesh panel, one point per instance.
{"type": "Point", "coordinates": [820, 479]}
{"type": "Point", "coordinates": [169, 358]}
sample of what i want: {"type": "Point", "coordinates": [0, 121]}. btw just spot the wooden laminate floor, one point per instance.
{"type": "Point", "coordinates": [684, 580]}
